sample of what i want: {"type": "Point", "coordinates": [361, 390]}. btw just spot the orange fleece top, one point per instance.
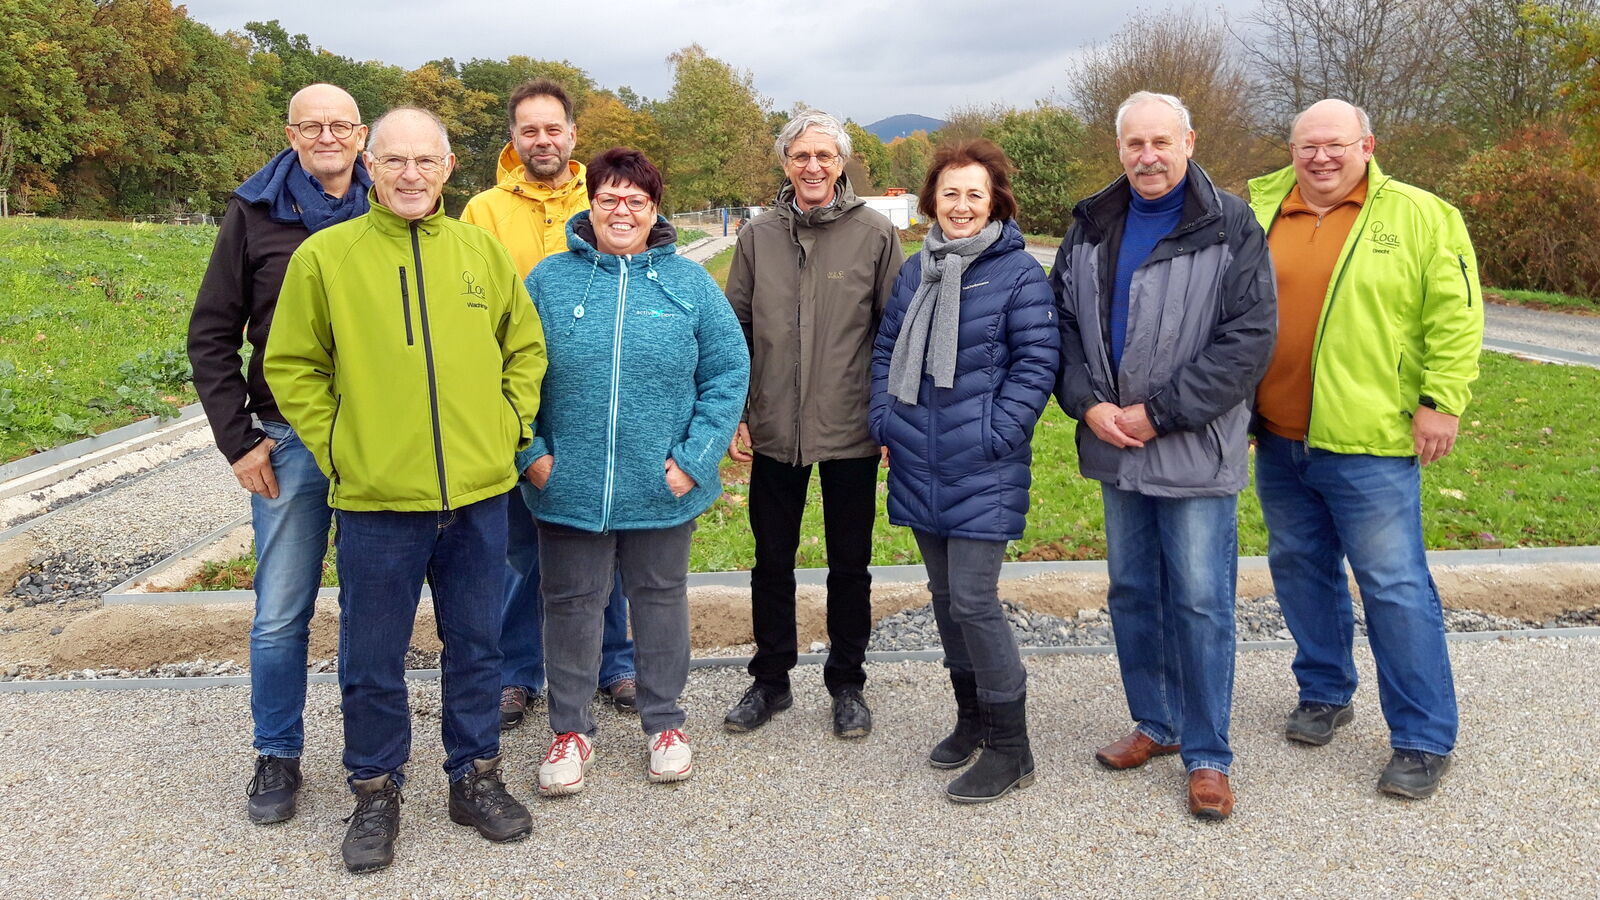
{"type": "Point", "coordinates": [1305, 250]}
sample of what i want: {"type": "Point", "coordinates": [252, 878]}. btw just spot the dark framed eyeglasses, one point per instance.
{"type": "Point", "coordinates": [312, 130]}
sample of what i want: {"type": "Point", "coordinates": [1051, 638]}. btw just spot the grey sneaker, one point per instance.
{"type": "Point", "coordinates": [1413, 774]}
{"type": "Point", "coordinates": [624, 695]}
{"type": "Point", "coordinates": [1314, 723]}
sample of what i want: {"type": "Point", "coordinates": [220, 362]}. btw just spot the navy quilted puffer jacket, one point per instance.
{"type": "Point", "coordinates": [959, 460]}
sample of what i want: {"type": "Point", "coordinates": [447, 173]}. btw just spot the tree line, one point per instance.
{"type": "Point", "coordinates": [115, 107]}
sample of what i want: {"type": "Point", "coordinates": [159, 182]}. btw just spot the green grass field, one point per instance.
{"type": "Point", "coordinates": [93, 318]}
{"type": "Point", "coordinates": [1547, 300]}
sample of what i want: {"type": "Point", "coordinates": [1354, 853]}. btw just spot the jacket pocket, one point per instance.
{"type": "Point", "coordinates": [333, 430]}
{"type": "Point", "coordinates": [991, 446]}
{"type": "Point", "coordinates": [405, 304]}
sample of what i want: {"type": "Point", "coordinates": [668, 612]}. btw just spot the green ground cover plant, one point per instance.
{"type": "Point", "coordinates": [1549, 300]}
{"type": "Point", "coordinates": [93, 317]}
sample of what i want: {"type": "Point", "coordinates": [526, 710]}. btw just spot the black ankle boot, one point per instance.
{"type": "Point", "coordinates": [1006, 761]}
{"type": "Point", "coordinates": [958, 749]}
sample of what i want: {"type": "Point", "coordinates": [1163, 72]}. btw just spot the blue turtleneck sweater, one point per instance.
{"type": "Point", "coordinates": [1148, 222]}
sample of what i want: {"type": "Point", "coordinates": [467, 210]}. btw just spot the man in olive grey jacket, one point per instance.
{"type": "Point", "coordinates": [809, 282]}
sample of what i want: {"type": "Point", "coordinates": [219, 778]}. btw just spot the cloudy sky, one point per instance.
{"type": "Point", "coordinates": [864, 59]}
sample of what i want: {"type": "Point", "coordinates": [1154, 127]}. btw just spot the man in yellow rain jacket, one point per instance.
{"type": "Point", "coordinates": [541, 188]}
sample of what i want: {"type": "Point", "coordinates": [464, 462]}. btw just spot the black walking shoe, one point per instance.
{"type": "Point", "coordinates": [1413, 774]}
{"type": "Point", "coordinates": [1314, 723]}
{"type": "Point", "coordinates": [756, 708]}
{"type": "Point", "coordinates": [851, 717]}
{"type": "Point", "coordinates": [962, 744]}
{"type": "Point", "coordinates": [480, 799]}
{"type": "Point", "coordinates": [624, 696]}
{"type": "Point", "coordinates": [1006, 761]}
{"type": "Point", "coordinates": [374, 825]}
{"type": "Point", "coordinates": [274, 789]}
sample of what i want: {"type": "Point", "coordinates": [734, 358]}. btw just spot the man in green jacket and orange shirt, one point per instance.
{"type": "Point", "coordinates": [1380, 322]}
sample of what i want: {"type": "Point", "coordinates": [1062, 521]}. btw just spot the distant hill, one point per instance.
{"type": "Point", "coordinates": [902, 125]}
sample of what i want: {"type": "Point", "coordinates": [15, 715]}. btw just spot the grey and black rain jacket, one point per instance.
{"type": "Point", "coordinates": [1202, 315]}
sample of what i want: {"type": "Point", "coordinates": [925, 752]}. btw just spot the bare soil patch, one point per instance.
{"type": "Point", "coordinates": [45, 639]}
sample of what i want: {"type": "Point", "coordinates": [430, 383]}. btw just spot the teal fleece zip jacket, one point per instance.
{"type": "Point", "coordinates": [647, 361]}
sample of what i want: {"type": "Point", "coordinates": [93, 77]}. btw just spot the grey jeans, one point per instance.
{"type": "Point", "coordinates": [578, 568]}
{"type": "Point", "coordinates": [964, 578]}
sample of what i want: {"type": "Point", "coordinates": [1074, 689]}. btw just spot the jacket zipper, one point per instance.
{"type": "Point", "coordinates": [405, 305]}
{"type": "Point", "coordinates": [616, 378]}
{"type": "Point", "coordinates": [338, 401]}
{"type": "Point", "coordinates": [1327, 305]}
{"type": "Point", "coordinates": [933, 456]}
{"type": "Point", "coordinates": [433, 384]}
{"type": "Point", "coordinates": [800, 345]}
{"type": "Point", "coordinates": [1467, 279]}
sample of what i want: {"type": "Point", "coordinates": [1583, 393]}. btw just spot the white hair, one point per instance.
{"type": "Point", "coordinates": [430, 115]}
{"type": "Point", "coordinates": [1138, 97]}
{"type": "Point", "coordinates": [1362, 119]}
{"type": "Point", "coordinates": [813, 118]}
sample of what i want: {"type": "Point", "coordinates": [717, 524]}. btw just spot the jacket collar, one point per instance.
{"type": "Point", "coordinates": [385, 219]}
{"type": "Point", "coordinates": [844, 200]}
{"type": "Point", "coordinates": [1108, 209]}
{"type": "Point", "coordinates": [513, 178]}
{"type": "Point", "coordinates": [662, 242]}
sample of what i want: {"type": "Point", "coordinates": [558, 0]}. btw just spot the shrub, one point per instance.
{"type": "Point", "coordinates": [1534, 216]}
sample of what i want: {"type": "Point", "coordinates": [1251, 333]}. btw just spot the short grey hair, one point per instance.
{"type": "Point", "coordinates": [1362, 119]}
{"type": "Point", "coordinates": [812, 118]}
{"type": "Point", "coordinates": [1138, 97]}
{"type": "Point", "coordinates": [430, 115]}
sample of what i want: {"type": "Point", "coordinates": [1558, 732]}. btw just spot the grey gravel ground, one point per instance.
{"type": "Point", "coordinates": [99, 543]}
{"type": "Point", "coordinates": [140, 795]}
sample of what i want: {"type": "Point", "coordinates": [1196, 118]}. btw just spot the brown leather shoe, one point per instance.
{"type": "Point", "coordinates": [1132, 751]}
{"type": "Point", "coordinates": [1209, 795]}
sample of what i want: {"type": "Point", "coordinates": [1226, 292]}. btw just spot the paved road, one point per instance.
{"type": "Point", "coordinates": [1536, 333]}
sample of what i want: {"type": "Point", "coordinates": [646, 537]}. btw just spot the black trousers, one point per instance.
{"type": "Point", "coordinates": [849, 504]}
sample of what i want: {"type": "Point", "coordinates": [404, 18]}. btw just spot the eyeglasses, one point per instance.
{"type": "Point", "coordinates": [636, 202]}
{"type": "Point", "coordinates": [312, 130]}
{"type": "Point", "coordinates": [427, 165]}
{"type": "Point", "coordinates": [1334, 151]}
{"type": "Point", "coordinates": [825, 160]}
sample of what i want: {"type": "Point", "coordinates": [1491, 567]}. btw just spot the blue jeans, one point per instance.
{"type": "Point", "coordinates": [1173, 564]}
{"type": "Point", "coordinates": [291, 539]}
{"type": "Point", "coordinates": [522, 621]}
{"type": "Point", "coordinates": [383, 558]}
{"type": "Point", "coordinates": [1321, 508]}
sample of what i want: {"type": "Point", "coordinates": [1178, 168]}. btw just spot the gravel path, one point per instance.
{"type": "Point", "coordinates": [146, 800]}
{"type": "Point", "coordinates": [99, 543]}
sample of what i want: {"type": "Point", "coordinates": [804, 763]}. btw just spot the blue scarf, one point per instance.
{"type": "Point", "coordinates": [296, 197]}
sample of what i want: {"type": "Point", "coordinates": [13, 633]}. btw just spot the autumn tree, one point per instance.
{"type": "Point", "coordinates": [1055, 162]}
{"type": "Point", "coordinates": [909, 157]}
{"type": "Point", "coordinates": [607, 122]}
{"type": "Point", "coordinates": [1189, 55]}
{"type": "Point", "coordinates": [718, 144]}
{"type": "Point", "coordinates": [868, 152]}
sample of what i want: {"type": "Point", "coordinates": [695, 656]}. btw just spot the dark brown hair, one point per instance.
{"type": "Point", "coordinates": [624, 165]}
{"type": "Point", "coordinates": [983, 152]}
{"type": "Point", "coordinates": [539, 87]}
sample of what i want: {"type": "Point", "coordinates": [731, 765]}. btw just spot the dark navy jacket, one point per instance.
{"type": "Point", "coordinates": [959, 460]}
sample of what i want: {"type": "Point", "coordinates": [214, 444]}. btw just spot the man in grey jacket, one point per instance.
{"type": "Point", "coordinates": [1167, 305]}
{"type": "Point", "coordinates": [809, 282]}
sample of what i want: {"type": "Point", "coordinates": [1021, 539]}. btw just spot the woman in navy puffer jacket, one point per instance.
{"type": "Point", "coordinates": [963, 364]}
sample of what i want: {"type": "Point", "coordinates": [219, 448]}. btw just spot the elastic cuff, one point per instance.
{"type": "Point", "coordinates": [1215, 767]}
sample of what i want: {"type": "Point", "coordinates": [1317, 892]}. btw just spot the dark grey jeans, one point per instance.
{"type": "Point", "coordinates": [964, 578]}
{"type": "Point", "coordinates": [578, 568]}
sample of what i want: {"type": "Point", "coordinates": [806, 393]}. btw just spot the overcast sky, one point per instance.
{"type": "Point", "coordinates": [862, 59]}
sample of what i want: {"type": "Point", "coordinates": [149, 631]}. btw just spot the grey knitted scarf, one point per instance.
{"type": "Point", "coordinates": [933, 318]}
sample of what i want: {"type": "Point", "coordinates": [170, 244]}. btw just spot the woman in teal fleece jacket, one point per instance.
{"type": "Point", "coordinates": [646, 382]}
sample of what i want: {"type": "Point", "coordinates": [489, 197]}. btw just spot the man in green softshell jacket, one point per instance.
{"type": "Point", "coordinates": [407, 355]}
